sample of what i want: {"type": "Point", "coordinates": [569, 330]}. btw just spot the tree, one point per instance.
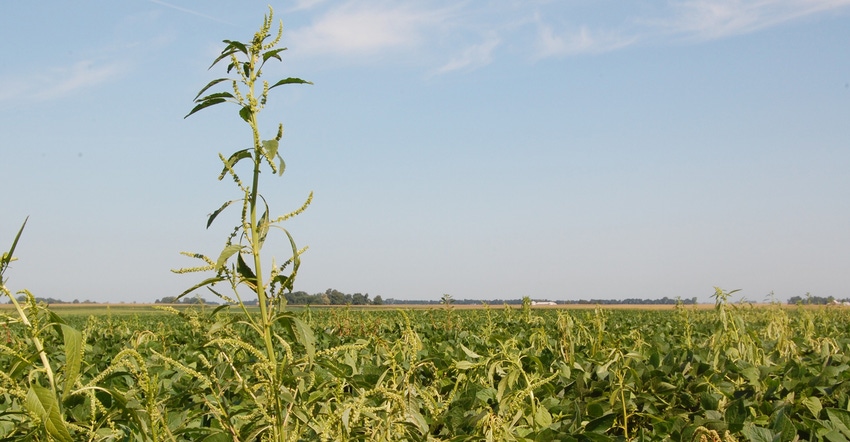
{"type": "Point", "coordinates": [377, 300]}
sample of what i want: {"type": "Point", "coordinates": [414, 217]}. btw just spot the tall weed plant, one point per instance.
{"type": "Point", "coordinates": [239, 265]}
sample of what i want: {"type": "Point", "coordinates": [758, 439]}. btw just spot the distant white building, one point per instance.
{"type": "Point", "coordinates": [543, 303]}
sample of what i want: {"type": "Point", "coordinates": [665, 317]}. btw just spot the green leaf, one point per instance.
{"type": "Point", "coordinates": [542, 418]}
{"type": "Point", "coordinates": [464, 365]}
{"type": "Point", "coordinates": [208, 281]}
{"type": "Point", "coordinates": [215, 96]}
{"type": "Point", "coordinates": [238, 45]}
{"type": "Point", "coordinates": [736, 415]}
{"type": "Point", "coordinates": [73, 356]}
{"type": "Point", "coordinates": [469, 352]}
{"type": "Point", "coordinates": [601, 424]}
{"type": "Point", "coordinates": [205, 104]}
{"type": "Point", "coordinates": [841, 419]}
{"type": "Point", "coordinates": [226, 254]}
{"type": "Point", "coordinates": [270, 148]}
{"type": "Point", "coordinates": [216, 212]}
{"type": "Point", "coordinates": [41, 402]}
{"type": "Point", "coordinates": [226, 53]}
{"type": "Point", "coordinates": [7, 257]}
{"type": "Point", "coordinates": [245, 271]}
{"type": "Point", "coordinates": [757, 434]}
{"type": "Point", "coordinates": [281, 166]}
{"type": "Point", "coordinates": [814, 405]}
{"type": "Point", "coordinates": [234, 159]}
{"type": "Point", "coordinates": [245, 113]}
{"type": "Point", "coordinates": [289, 80]}
{"type": "Point", "coordinates": [209, 85]}
{"type": "Point", "coordinates": [302, 332]}
{"type": "Point", "coordinates": [273, 54]}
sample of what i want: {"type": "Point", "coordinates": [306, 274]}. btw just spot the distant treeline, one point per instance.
{"type": "Point", "coordinates": [815, 300]}
{"type": "Point", "coordinates": [335, 297]}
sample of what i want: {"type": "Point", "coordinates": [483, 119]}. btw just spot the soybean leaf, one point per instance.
{"type": "Point", "coordinates": [41, 402]}
{"type": "Point", "coordinates": [73, 356]}
{"type": "Point", "coordinates": [814, 405]}
{"type": "Point", "coordinates": [841, 419]}
{"type": "Point", "coordinates": [601, 424]}
{"type": "Point", "coordinates": [217, 211]}
{"type": "Point", "coordinates": [736, 415]}
{"type": "Point", "coordinates": [290, 80]}
{"type": "Point", "coordinates": [757, 434]}
{"type": "Point", "coordinates": [205, 104]}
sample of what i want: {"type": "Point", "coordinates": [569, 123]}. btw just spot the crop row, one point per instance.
{"type": "Point", "coordinates": [734, 373]}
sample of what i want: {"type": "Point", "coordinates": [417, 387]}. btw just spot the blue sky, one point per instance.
{"type": "Point", "coordinates": [492, 149]}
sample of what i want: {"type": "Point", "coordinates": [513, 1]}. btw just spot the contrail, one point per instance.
{"type": "Point", "coordinates": [189, 11]}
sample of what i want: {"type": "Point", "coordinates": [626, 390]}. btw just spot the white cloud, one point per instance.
{"type": "Point", "coordinates": [582, 41]}
{"type": "Point", "coordinates": [354, 29]}
{"type": "Point", "coordinates": [58, 82]}
{"type": "Point", "coordinates": [710, 19]}
{"type": "Point", "coordinates": [473, 57]}
{"type": "Point", "coordinates": [301, 5]}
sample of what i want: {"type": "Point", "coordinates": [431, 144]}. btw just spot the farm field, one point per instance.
{"type": "Point", "coordinates": [732, 372]}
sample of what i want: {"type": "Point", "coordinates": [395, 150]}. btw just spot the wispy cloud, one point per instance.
{"type": "Point", "coordinates": [581, 41]}
{"type": "Point", "coordinates": [58, 82]}
{"type": "Point", "coordinates": [301, 5]}
{"type": "Point", "coordinates": [355, 29]}
{"type": "Point", "coordinates": [711, 19]}
{"type": "Point", "coordinates": [475, 56]}
{"type": "Point", "coordinates": [189, 11]}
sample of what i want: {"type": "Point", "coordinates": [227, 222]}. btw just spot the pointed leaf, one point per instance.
{"type": "Point", "coordinates": [235, 158]}
{"type": "Point", "coordinates": [215, 96]}
{"type": "Point", "coordinates": [289, 80]}
{"type": "Point", "coordinates": [281, 166]}
{"type": "Point", "coordinates": [208, 281]}
{"type": "Point", "coordinates": [245, 271]}
{"type": "Point", "coordinates": [73, 356]}
{"type": "Point", "coordinates": [273, 54]}
{"type": "Point", "coordinates": [236, 45]}
{"type": "Point", "coordinates": [226, 53]}
{"type": "Point", "coordinates": [469, 352]}
{"type": "Point", "coordinates": [205, 104]}
{"type": "Point", "coordinates": [209, 85]}
{"type": "Point", "coordinates": [7, 257]}
{"type": "Point", "coordinates": [302, 332]}
{"type": "Point", "coordinates": [41, 402]}
{"type": "Point", "coordinates": [226, 254]}
{"type": "Point", "coordinates": [215, 213]}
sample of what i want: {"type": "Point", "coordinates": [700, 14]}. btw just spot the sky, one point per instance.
{"type": "Point", "coordinates": [488, 150]}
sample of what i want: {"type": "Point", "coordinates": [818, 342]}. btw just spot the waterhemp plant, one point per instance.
{"type": "Point", "coordinates": [240, 263]}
